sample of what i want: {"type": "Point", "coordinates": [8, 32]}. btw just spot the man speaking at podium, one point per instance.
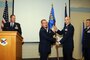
{"type": "Point", "coordinates": [12, 25]}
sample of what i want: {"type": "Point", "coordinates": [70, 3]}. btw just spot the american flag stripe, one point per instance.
{"type": "Point", "coordinates": [5, 14]}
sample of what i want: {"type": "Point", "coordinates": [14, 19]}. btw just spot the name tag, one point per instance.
{"type": "Point", "coordinates": [16, 27]}
{"type": "Point", "coordinates": [66, 29]}
{"type": "Point", "coordinates": [88, 31]}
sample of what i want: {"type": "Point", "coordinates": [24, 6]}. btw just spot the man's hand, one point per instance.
{"type": "Point", "coordinates": [58, 43]}
{"type": "Point", "coordinates": [54, 29]}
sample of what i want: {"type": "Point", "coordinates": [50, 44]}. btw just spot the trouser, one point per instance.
{"type": "Point", "coordinates": [44, 56]}
{"type": "Point", "coordinates": [67, 53]}
{"type": "Point", "coordinates": [86, 53]}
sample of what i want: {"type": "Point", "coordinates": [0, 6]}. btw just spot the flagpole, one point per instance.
{"type": "Point", "coordinates": [82, 38]}
{"type": "Point", "coordinates": [13, 7]}
{"type": "Point", "coordinates": [57, 52]}
{"type": "Point", "coordinates": [52, 18]}
{"type": "Point", "coordinates": [69, 8]}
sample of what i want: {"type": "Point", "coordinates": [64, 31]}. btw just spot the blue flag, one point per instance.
{"type": "Point", "coordinates": [82, 36]}
{"type": "Point", "coordinates": [52, 20]}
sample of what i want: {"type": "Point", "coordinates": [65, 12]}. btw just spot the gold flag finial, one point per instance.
{"type": "Point", "coordinates": [65, 4]}
{"type": "Point", "coordinates": [52, 5]}
{"type": "Point", "coordinates": [83, 20]}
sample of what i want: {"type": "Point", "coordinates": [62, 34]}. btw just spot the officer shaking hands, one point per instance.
{"type": "Point", "coordinates": [67, 40]}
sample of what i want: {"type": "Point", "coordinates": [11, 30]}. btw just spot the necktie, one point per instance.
{"type": "Point", "coordinates": [12, 24]}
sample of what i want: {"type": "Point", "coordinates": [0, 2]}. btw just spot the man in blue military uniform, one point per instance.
{"type": "Point", "coordinates": [12, 25]}
{"type": "Point", "coordinates": [67, 40]}
{"type": "Point", "coordinates": [86, 42]}
{"type": "Point", "coordinates": [46, 40]}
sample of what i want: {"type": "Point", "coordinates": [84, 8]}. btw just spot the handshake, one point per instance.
{"type": "Point", "coordinates": [57, 43]}
{"type": "Point", "coordinates": [57, 39]}
{"type": "Point", "coordinates": [55, 29]}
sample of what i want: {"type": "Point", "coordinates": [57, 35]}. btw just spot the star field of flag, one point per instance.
{"type": "Point", "coordinates": [5, 13]}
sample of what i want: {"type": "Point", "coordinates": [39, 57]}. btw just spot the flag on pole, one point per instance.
{"type": "Point", "coordinates": [52, 20]}
{"type": "Point", "coordinates": [5, 14]}
{"type": "Point", "coordinates": [82, 37]}
{"type": "Point", "coordinates": [65, 10]}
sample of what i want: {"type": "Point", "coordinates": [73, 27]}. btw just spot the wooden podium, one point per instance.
{"type": "Point", "coordinates": [10, 45]}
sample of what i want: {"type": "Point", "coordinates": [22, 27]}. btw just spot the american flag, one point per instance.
{"type": "Point", "coordinates": [5, 14]}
